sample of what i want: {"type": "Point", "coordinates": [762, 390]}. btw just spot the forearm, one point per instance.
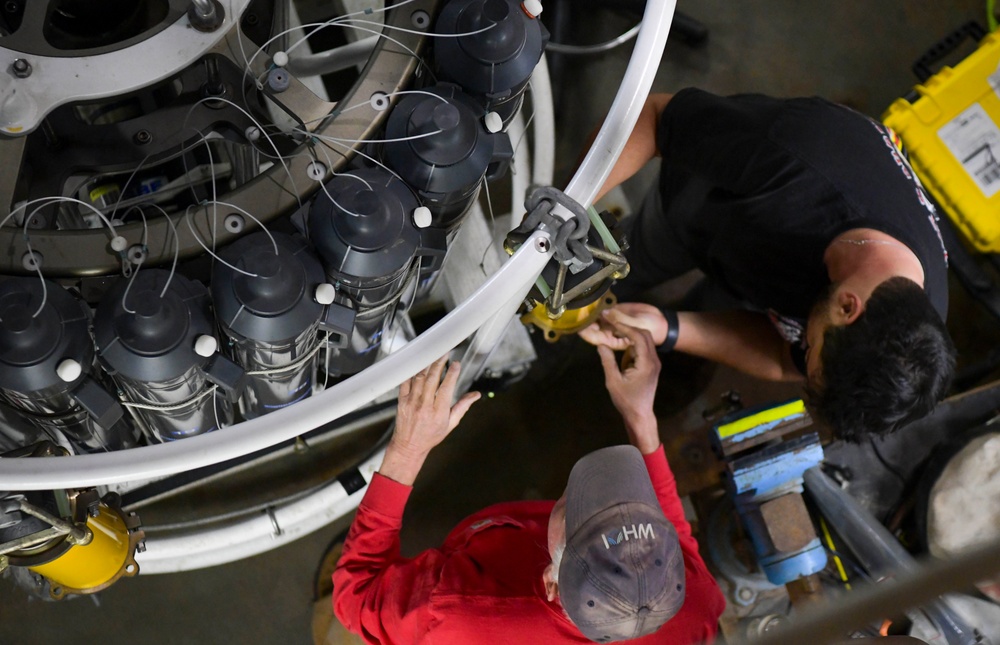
{"type": "Point", "coordinates": [643, 431]}
{"type": "Point", "coordinates": [402, 464]}
{"type": "Point", "coordinates": [662, 478]}
{"type": "Point", "coordinates": [740, 339]}
{"type": "Point", "coordinates": [640, 147]}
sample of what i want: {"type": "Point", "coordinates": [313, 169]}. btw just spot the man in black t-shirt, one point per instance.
{"type": "Point", "coordinates": [809, 215]}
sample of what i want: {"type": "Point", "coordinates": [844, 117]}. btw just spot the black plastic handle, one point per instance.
{"type": "Point", "coordinates": [432, 251]}
{"type": "Point", "coordinates": [943, 47]}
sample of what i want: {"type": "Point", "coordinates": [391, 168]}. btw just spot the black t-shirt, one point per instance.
{"type": "Point", "coordinates": [757, 188]}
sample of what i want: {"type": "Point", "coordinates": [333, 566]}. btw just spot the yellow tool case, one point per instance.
{"type": "Point", "coordinates": [950, 125]}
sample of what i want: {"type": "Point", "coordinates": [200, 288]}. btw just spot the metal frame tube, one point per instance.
{"type": "Point", "coordinates": [877, 550]}
{"type": "Point", "coordinates": [829, 622]}
{"type": "Point", "coordinates": [259, 534]}
{"type": "Point", "coordinates": [871, 543]}
{"type": "Point", "coordinates": [333, 60]}
{"type": "Point", "coordinates": [204, 8]}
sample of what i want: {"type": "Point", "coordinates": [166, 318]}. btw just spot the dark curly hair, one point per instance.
{"type": "Point", "coordinates": [888, 368]}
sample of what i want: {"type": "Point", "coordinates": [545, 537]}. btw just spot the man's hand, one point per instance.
{"type": "Point", "coordinates": [424, 417]}
{"type": "Point", "coordinates": [633, 386]}
{"type": "Point", "coordinates": [636, 315]}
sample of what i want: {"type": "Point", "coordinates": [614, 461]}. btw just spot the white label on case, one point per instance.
{"type": "Point", "coordinates": [974, 139]}
{"type": "Point", "coordinates": [994, 80]}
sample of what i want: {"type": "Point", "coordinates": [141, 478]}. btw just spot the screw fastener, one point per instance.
{"type": "Point", "coordinates": [21, 68]}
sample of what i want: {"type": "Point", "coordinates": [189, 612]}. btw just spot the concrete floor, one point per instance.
{"type": "Point", "coordinates": [521, 444]}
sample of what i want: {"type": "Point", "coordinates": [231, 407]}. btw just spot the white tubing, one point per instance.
{"type": "Point", "coordinates": [544, 125]}
{"type": "Point", "coordinates": [512, 281]}
{"type": "Point", "coordinates": [256, 535]}
{"type": "Point", "coordinates": [628, 103]}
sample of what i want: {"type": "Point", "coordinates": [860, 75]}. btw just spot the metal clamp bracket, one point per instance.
{"type": "Point", "coordinates": [569, 241]}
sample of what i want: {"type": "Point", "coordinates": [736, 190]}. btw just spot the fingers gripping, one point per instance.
{"type": "Point", "coordinates": [611, 373]}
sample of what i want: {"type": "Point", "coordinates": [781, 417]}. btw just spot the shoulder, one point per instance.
{"type": "Point", "coordinates": [528, 516]}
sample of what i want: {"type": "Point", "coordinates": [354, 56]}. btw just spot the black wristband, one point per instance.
{"type": "Point", "coordinates": [673, 329]}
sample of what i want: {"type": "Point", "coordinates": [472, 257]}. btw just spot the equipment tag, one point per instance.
{"type": "Point", "coordinates": [974, 139]}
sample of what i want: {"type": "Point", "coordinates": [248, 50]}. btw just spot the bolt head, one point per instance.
{"type": "Point", "coordinates": [206, 22]}
{"type": "Point", "coordinates": [21, 68]}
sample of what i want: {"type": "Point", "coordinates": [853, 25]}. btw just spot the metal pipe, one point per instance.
{"type": "Point", "coordinates": [864, 606]}
{"type": "Point", "coordinates": [248, 537]}
{"type": "Point", "coordinates": [877, 550]}
{"type": "Point", "coordinates": [873, 546]}
{"type": "Point", "coordinates": [333, 60]}
{"type": "Point", "coordinates": [28, 541]}
{"type": "Point", "coordinates": [74, 534]}
{"type": "Point", "coordinates": [204, 8]}
{"type": "Point", "coordinates": [213, 79]}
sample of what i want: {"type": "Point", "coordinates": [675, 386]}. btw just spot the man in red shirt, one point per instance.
{"type": "Point", "coordinates": [613, 559]}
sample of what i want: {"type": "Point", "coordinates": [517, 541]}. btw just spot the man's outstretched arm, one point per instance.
{"type": "Point", "coordinates": [744, 340]}
{"type": "Point", "coordinates": [377, 594]}
{"type": "Point", "coordinates": [632, 387]}
{"type": "Point", "coordinates": [640, 147]}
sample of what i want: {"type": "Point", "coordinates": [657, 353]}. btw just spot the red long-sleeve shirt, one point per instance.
{"type": "Point", "coordinates": [484, 585]}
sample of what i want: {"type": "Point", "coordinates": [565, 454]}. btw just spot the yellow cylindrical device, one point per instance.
{"type": "Point", "coordinates": [571, 321]}
{"type": "Point", "coordinates": [94, 566]}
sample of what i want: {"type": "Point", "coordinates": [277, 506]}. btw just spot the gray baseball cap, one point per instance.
{"type": "Point", "coordinates": [622, 573]}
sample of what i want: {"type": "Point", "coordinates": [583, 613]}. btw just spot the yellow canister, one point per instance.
{"type": "Point", "coordinates": [93, 566]}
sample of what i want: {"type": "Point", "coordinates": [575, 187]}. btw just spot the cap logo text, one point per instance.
{"type": "Point", "coordinates": [637, 532]}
